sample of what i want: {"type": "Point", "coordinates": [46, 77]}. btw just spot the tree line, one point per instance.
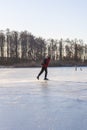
{"type": "Point", "coordinates": [23, 48]}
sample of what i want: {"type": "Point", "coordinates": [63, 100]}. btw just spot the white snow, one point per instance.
{"type": "Point", "coordinates": [30, 104]}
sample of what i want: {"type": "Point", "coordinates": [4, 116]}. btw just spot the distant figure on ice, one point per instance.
{"type": "Point", "coordinates": [80, 68]}
{"type": "Point", "coordinates": [44, 68]}
{"type": "Point", "coordinates": [75, 67]}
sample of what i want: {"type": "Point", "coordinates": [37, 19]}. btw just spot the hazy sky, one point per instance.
{"type": "Point", "coordinates": [46, 18]}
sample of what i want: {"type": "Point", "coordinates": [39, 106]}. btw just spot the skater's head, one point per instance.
{"type": "Point", "coordinates": [48, 57]}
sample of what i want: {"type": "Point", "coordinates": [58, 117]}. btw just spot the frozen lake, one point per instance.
{"type": "Point", "coordinates": [30, 104]}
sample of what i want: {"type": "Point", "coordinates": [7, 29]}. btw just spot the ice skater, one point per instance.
{"type": "Point", "coordinates": [44, 68]}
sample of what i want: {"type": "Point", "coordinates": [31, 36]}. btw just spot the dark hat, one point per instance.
{"type": "Point", "coordinates": [48, 57]}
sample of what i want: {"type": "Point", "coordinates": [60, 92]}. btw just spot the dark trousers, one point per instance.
{"type": "Point", "coordinates": [42, 70]}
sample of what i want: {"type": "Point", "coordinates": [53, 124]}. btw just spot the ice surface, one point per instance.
{"type": "Point", "coordinates": [30, 104]}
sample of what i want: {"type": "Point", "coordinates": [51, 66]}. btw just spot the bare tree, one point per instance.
{"type": "Point", "coordinates": [60, 49]}
{"type": "Point", "coordinates": [2, 43]}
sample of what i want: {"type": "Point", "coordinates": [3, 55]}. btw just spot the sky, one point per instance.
{"type": "Point", "coordinates": [46, 18]}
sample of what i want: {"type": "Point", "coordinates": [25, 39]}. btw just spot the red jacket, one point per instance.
{"type": "Point", "coordinates": [46, 62]}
